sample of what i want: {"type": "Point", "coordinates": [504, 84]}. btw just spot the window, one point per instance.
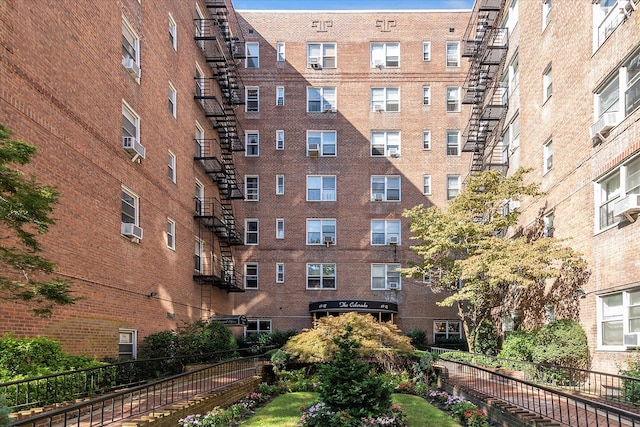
{"type": "Point", "coordinates": [321, 276]}
{"type": "Point", "coordinates": [547, 83]}
{"type": "Point", "coordinates": [252, 143]}
{"type": "Point", "coordinates": [173, 33]}
{"type": "Point", "coordinates": [546, 13]}
{"type": "Point", "coordinates": [608, 99]}
{"type": "Point", "coordinates": [127, 343]}
{"type": "Point", "coordinates": [547, 152]}
{"type": "Point", "coordinates": [385, 231]}
{"type": "Point", "coordinates": [385, 143]}
{"type": "Point", "coordinates": [618, 315]}
{"type": "Point", "coordinates": [130, 123]}
{"type": "Point", "coordinates": [279, 140]}
{"type": "Point", "coordinates": [251, 275]}
{"type": "Point", "coordinates": [200, 23]}
{"type": "Point", "coordinates": [130, 50]}
{"type": "Point", "coordinates": [453, 99]}
{"type": "Point", "coordinates": [252, 99]}
{"type": "Point", "coordinates": [279, 272]}
{"type": "Point", "coordinates": [197, 255]}
{"type": "Point", "coordinates": [385, 276]}
{"type": "Point", "coordinates": [426, 95]}
{"type": "Point", "coordinates": [623, 181]}
{"type": "Point", "coordinates": [280, 96]}
{"type": "Point", "coordinates": [426, 185]}
{"type": "Point", "coordinates": [321, 99]}
{"type": "Point", "coordinates": [513, 74]}
{"type": "Point", "coordinates": [446, 329]}
{"type": "Point", "coordinates": [385, 55]}
{"type": "Point", "coordinates": [199, 80]}
{"type": "Point", "coordinates": [280, 57]}
{"type": "Point", "coordinates": [385, 188]}
{"type": "Point", "coordinates": [172, 100]}
{"type": "Point", "coordinates": [251, 185]}
{"type": "Point", "coordinates": [199, 198]}
{"type": "Point", "coordinates": [453, 54]}
{"type": "Point", "coordinates": [321, 143]}
{"type": "Point", "coordinates": [171, 166]}
{"type": "Point", "coordinates": [321, 231]}
{"type": "Point", "coordinates": [426, 140]}
{"type": "Point", "coordinates": [199, 139]}
{"type": "Point", "coordinates": [632, 90]}
{"type": "Point", "coordinates": [511, 136]}
{"type": "Point", "coordinates": [171, 234]}
{"type": "Point", "coordinates": [252, 51]}
{"type": "Point", "coordinates": [321, 188]}
{"type": "Point", "coordinates": [279, 228]}
{"type": "Point", "coordinates": [426, 51]}
{"type": "Point", "coordinates": [385, 99]}
{"type": "Point", "coordinates": [130, 207]}
{"type": "Point", "coordinates": [453, 186]}
{"type": "Point", "coordinates": [453, 143]}
{"type": "Point", "coordinates": [251, 231]}
{"type": "Point", "coordinates": [606, 18]}
{"type": "Point", "coordinates": [258, 326]}
{"type": "Point", "coordinates": [548, 224]}
{"type": "Point", "coordinates": [279, 185]}
{"type": "Point", "coordinates": [511, 17]}
{"type": "Point", "coordinates": [321, 55]}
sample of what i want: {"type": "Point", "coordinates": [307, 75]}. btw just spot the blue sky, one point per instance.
{"type": "Point", "coordinates": [351, 4]}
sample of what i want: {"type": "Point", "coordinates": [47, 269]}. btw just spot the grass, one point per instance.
{"type": "Point", "coordinates": [285, 411]}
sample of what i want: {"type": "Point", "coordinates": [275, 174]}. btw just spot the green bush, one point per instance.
{"type": "Point", "coordinates": [418, 338]}
{"type": "Point", "coordinates": [518, 346]}
{"type": "Point", "coordinates": [5, 421]}
{"type": "Point", "coordinates": [561, 343]}
{"type": "Point", "coordinates": [452, 343]}
{"type": "Point", "coordinates": [486, 341]}
{"type": "Point", "coordinates": [631, 388]}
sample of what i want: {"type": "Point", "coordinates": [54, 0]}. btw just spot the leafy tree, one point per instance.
{"type": "Point", "coordinates": [485, 275]}
{"type": "Point", "coordinates": [25, 209]}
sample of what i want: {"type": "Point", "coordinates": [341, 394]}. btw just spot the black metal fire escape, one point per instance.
{"type": "Point", "coordinates": [485, 44]}
{"type": "Point", "coordinates": [215, 156]}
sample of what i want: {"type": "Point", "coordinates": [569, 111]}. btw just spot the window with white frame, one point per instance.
{"type": "Point", "coordinates": [453, 99]}
{"type": "Point", "coordinates": [321, 99]}
{"type": "Point", "coordinates": [321, 231]}
{"type": "Point", "coordinates": [130, 50]}
{"type": "Point", "coordinates": [385, 188]}
{"type": "Point", "coordinates": [623, 181]}
{"type": "Point", "coordinates": [426, 51]}
{"type": "Point", "coordinates": [171, 234]}
{"type": "Point", "coordinates": [385, 99]}
{"type": "Point", "coordinates": [252, 99]}
{"type": "Point", "coordinates": [252, 188]}
{"type": "Point", "coordinates": [251, 275]}
{"type": "Point", "coordinates": [321, 276]}
{"type": "Point", "coordinates": [453, 186]}
{"type": "Point", "coordinates": [280, 96]}
{"type": "Point", "coordinates": [453, 142]}
{"type": "Point", "coordinates": [426, 185]}
{"type": "Point", "coordinates": [385, 231]}
{"type": "Point", "coordinates": [511, 136]}
{"type": "Point", "coordinates": [546, 13]}
{"type": "Point", "coordinates": [198, 255]}
{"type": "Point", "coordinates": [130, 122]}
{"type": "Point", "coordinates": [199, 198]}
{"type": "Point", "coordinates": [453, 54]}
{"type": "Point", "coordinates": [608, 99]}
{"type": "Point", "coordinates": [200, 23]}
{"type": "Point", "coordinates": [279, 140]}
{"type": "Point", "coordinates": [547, 153]}
{"type": "Point", "coordinates": [446, 329]}
{"type": "Point", "coordinates": [171, 166]}
{"type": "Point", "coordinates": [199, 140]}
{"type": "Point", "coordinates": [280, 272]}
{"type": "Point", "coordinates": [618, 317]}
{"type": "Point", "coordinates": [385, 276]}
{"type": "Point", "coordinates": [385, 54]}
{"type": "Point", "coordinates": [199, 80]}
{"type": "Point", "coordinates": [510, 17]}
{"type": "Point", "coordinates": [321, 55]}
{"type": "Point", "coordinates": [426, 95]}
{"type": "Point", "coordinates": [256, 327]}
{"type": "Point", "coordinates": [631, 71]}
{"type": "Point", "coordinates": [251, 231]}
{"type": "Point", "coordinates": [173, 33]}
{"type": "Point", "coordinates": [426, 140]}
{"type": "Point", "coordinates": [385, 143]}
{"type": "Point", "coordinates": [321, 143]}
{"type": "Point", "coordinates": [513, 73]}
{"type": "Point", "coordinates": [252, 143]}
{"type": "Point", "coordinates": [280, 51]}
{"type": "Point", "coordinates": [321, 188]}
{"type": "Point", "coordinates": [127, 348]}
{"type": "Point", "coordinates": [548, 224]}
{"type": "Point", "coordinates": [547, 83]}
{"type": "Point", "coordinates": [130, 207]}
{"type": "Point", "coordinates": [279, 185]}
{"type": "Point", "coordinates": [279, 228]}
{"type": "Point", "coordinates": [252, 51]}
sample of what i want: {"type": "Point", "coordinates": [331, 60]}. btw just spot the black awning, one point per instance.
{"type": "Point", "coordinates": [357, 305]}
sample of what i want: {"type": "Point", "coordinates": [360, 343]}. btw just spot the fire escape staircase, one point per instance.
{"type": "Point", "coordinates": [485, 44]}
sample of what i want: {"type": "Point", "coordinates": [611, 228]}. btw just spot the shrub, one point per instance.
{"type": "Point", "coordinates": [418, 338]}
{"type": "Point", "coordinates": [631, 388]}
{"type": "Point", "coordinates": [561, 343]}
{"type": "Point", "coordinates": [5, 421]}
{"type": "Point", "coordinates": [451, 343]}
{"type": "Point", "coordinates": [518, 346]}
{"type": "Point", "coordinates": [486, 341]}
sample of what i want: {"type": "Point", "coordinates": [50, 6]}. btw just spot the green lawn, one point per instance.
{"type": "Point", "coordinates": [285, 411]}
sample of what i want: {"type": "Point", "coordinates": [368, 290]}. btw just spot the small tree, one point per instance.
{"type": "Point", "coordinates": [25, 209]}
{"type": "Point", "coordinates": [483, 274]}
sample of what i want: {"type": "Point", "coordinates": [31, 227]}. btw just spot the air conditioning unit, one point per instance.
{"type": "Point", "coordinates": [393, 152]}
{"type": "Point", "coordinates": [393, 285]}
{"type": "Point", "coordinates": [631, 340]}
{"type": "Point", "coordinates": [627, 206]}
{"type": "Point", "coordinates": [329, 240]}
{"type": "Point", "coordinates": [133, 147]}
{"type": "Point", "coordinates": [393, 240]}
{"type": "Point", "coordinates": [378, 63]}
{"type": "Point", "coordinates": [315, 63]}
{"type": "Point", "coordinates": [627, 7]}
{"type": "Point", "coordinates": [314, 150]}
{"type": "Point", "coordinates": [379, 108]}
{"type": "Point", "coordinates": [378, 197]}
{"type": "Point", "coordinates": [131, 230]}
{"type": "Point", "coordinates": [604, 124]}
{"type": "Point", "coordinates": [131, 66]}
{"type": "Point", "coordinates": [329, 109]}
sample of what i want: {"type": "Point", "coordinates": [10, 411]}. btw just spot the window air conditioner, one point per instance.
{"type": "Point", "coordinates": [627, 206]}
{"type": "Point", "coordinates": [329, 240]}
{"type": "Point", "coordinates": [314, 150]}
{"type": "Point", "coordinates": [393, 152]}
{"type": "Point", "coordinates": [378, 197]}
{"type": "Point", "coordinates": [378, 108]}
{"type": "Point", "coordinates": [328, 108]}
{"type": "Point", "coordinates": [131, 66]}
{"type": "Point", "coordinates": [393, 240]}
{"type": "Point", "coordinates": [314, 61]}
{"type": "Point", "coordinates": [131, 230]}
{"type": "Point", "coordinates": [378, 63]}
{"type": "Point", "coordinates": [133, 147]}
{"type": "Point", "coordinates": [604, 124]}
{"type": "Point", "coordinates": [393, 285]}
{"type": "Point", "coordinates": [631, 340]}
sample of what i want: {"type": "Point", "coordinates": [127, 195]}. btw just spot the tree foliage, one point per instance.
{"type": "Point", "coordinates": [464, 243]}
{"type": "Point", "coordinates": [25, 213]}
{"type": "Point", "coordinates": [318, 344]}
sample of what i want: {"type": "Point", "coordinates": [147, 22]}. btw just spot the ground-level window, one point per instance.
{"type": "Point", "coordinates": [257, 326]}
{"type": "Point", "coordinates": [127, 343]}
{"type": "Point", "coordinates": [446, 329]}
{"type": "Point", "coordinates": [619, 319]}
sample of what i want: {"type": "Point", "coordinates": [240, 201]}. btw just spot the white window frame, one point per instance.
{"type": "Point", "coordinates": [453, 99]}
{"type": "Point", "coordinates": [426, 140]}
{"type": "Point", "coordinates": [385, 99]}
{"type": "Point", "coordinates": [390, 273]}
{"type": "Point", "coordinates": [252, 99]}
{"type": "Point", "coordinates": [133, 118]}
{"type": "Point", "coordinates": [199, 197]}
{"type": "Point", "coordinates": [453, 143]}
{"type": "Point", "coordinates": [199, 82]}
{"type": "Point", "coordinates": [252, 51]}
{"type": "Point", "coordinates": [171, 167]}
{"type": "Point", "coordinates": [626, 313]}
{"type": "Point", "coordinates": [198, 255]}
{"type": "Point", "coordinates": [251, 231]}
{"type": "Point", "coordinates": [384, 229]}
{"type": "Point", "coordinates": [547, 156]}
{"type": "Point", "coordinates": [322, 277]}
{"type": "Point", "coordinates": [448, 334]}
{"type": "Point", "coordinates": [547, 83]}
{"type": "Point", "coordinates": [254, 194]}
{"type": "Point", "coordinates": [171, 234]}
{"type": "Point", "coordinates": [279, 228]}
{"type": "Point", "coordinates": [546, 13]}
{"type": "Point", "coordinates": [133, 42]}
{"type": "Point", "coordinates": [327, 194]}
{"type": "Point", "coordinates": [199, 26]}
{"type": "Point", "coordinates": [382, 54]}
{"type": "Point", "coordinates": [279, 185]}
{"type": "Point", "coordinates": [385, 143]}
{"type": "Point", "coordinates": [173, 100]}
{"type": "Point", "coordinates": [280, 52]}
{"type": "Point", "coordinates": [130, 206]}
{"type": "Point", "coordinates": [252, 143]}
{"type": "Point", "coordinates": [426, 51]}
{"type": "Point", "coordinates": [279, 96]}
{"type": "Point", "coordinates": [173, 32]}
{"type": "Point", "coordinates": [249, 331]}
{"type": "Point", "coordinates": [324, 227]}
{"type": "Point", "coordinates": [450, 189]}
{"type": "Point", "coordinates": [426, 185]}
{"type": "Point", "coordinates": [127, 337]}
{"type": "Point", "coordinates": [321, 99]}
{"type": "Point", "coordinates": [426, 96]}
{"type": "Point", "coordinates": [452, 54]}
{"type": "Point", "coordinates": [322, 53]}
{"type": "Point", "coordinates": [280, 140]}
{"type": "Point", "coordinates": [326, 140]}
{"type": "Point", "coordinates": [254, 277]}
{"type": "Point", "coordinates": [548, 220]}
{"type": "Point", "coordinates": [624, 180]}
{"type": "Point", "coordinates": [279, 272]}
{"type": "Point", "coordinates": [380, 185]}
{"type": "Point", "coordinates": [200, 140]}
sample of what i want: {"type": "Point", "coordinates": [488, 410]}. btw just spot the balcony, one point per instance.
{"type": "Point", "coordinates": [218, 218]}
{"type": "Point", "coordinates": [219, 274]}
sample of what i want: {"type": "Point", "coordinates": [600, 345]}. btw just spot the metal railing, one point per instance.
{"type": "Point", "coordinates": [147, 398]}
